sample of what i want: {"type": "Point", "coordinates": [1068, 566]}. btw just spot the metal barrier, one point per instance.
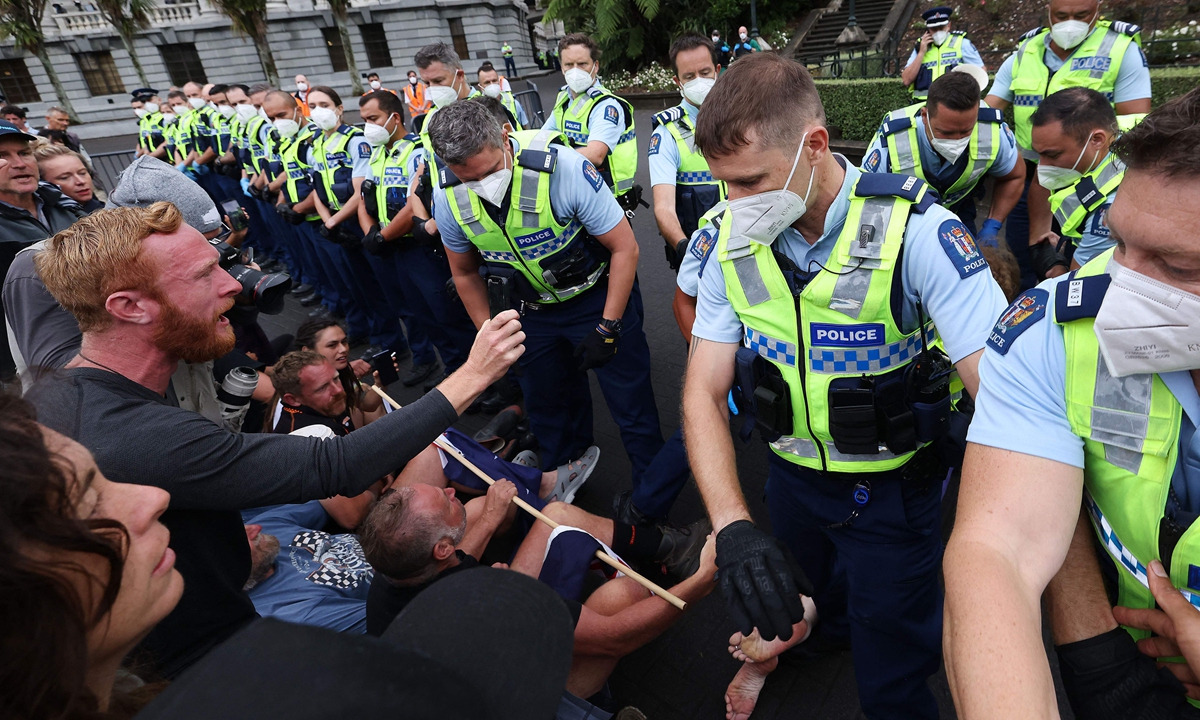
{"type": "Point", "coordinates": [532, 102]}
{"type": "Point", "coordinates": [110, 165]}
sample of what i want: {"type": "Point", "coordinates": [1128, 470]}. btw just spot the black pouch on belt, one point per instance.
{"type": "Point", "coordinates": [762, 397]}
{"type": "Point", "coordinates": [852, 417]}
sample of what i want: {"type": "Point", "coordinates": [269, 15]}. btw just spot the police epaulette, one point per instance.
{"type": "Point", "coordinates": [895, 125]}
{"type": "Point", "coordinates": [882, 184]}
{"type": "Point", "coordinates": [1077, 298]}
{"type": "Point", "coordinates": [671, 114]}
{"type": "Point", "coordinates": [991, 115]}
{"type": "Point", "coordinates": [1126, 28]}
{"type": "Point", "coordinates": [959, 32]}
{"type": "Point", "coordinates": [538, 160]}
{"type": "Point", "coordinates": [412, 138]}
{"type": "Point", "coordinates": [445, 177]}
{"type": "Point", "coordinates": [595, 92]}
{"type": "Point", "coordinates": [1032, 33]}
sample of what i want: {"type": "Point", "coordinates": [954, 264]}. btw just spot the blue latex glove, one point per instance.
{"type": "Point", "coordinates": [182, 167]}
{"type": "Point", "coordinates": [246, 187]}
{"type": "Point", "coordinates": [989, 234]}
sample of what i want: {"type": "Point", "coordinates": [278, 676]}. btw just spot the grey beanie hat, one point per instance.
{"type": "Point", "coordinates": [148, 180]}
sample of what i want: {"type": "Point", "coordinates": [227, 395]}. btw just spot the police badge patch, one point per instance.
{"type": "Point", "coordinates": [654, 141]}
{"type": "Point", "coordinates": [1017, 318]}
{"type": "Point", "coordinates": [592, 175]}
{"type": "Point", "coordinates": [873, 160]}
{"type": "Point", "coordinates": [610, 114]}
{"type": "Point", "coordinates": [960, 247]}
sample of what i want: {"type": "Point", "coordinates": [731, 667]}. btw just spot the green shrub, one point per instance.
{"type": "Point", "coordinates": [856, 107]}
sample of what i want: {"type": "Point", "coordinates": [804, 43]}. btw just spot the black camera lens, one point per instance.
{"type": "Point", "coordinates": [266, 291]}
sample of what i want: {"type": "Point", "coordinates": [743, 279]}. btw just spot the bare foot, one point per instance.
{"type": "Point", "coordinates": [753, 649]}
{"type": "Point", "coordinates": [742, 693]}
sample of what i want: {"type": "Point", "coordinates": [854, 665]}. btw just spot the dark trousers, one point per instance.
{"type": "Point", "coordinates": [663, 480]}
{"type": "Point", "coordinates": [510, 67]}
{"type": "Point", "coordinates": [290, 247]}
{"type": "Point", "coordinates": [558, 396]}
{"type": "Point", "coordinates": [875, 581]}
{"type": "Point", "coordinates": [394, 300]}
{"type": "Point", "coordinates": [335, 268]}
{"type": "Point", "coordinates": [1016, 230]}
{"type": "Point", "coordinates": [421, 276]}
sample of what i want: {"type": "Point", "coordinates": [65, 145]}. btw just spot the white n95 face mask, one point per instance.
{"type": "Point", "coordinates": [1145, 326]}
{"type": "Point", "coordinates": [763, 216]}
{"type": "Point", "coordinates": [950, 149]}
{"type": "Point", "coordinates": [1069, 33]}
{"type": "Point", "coordinates": [939, 37]}
{"type": "Point", "coordinates": [441, 95]}
{"type": "Point", "coordinates": [493, 90]}
{"type": "Point", "coordinates": [494, 187]}
{"type": "Point", "coordinates": [168, 117]}
{"type": "Point", "coordinates": [325, 118]}
{"type": "Point", "coordinates": [578, 80]}
{"type": "Point", "coordinates": [377, 135]}
{"type": "Point", "coordinates": [696, 90]}
{"type": "Point", "coordinates": [150, 107]}
{"type": "Point", "coordinates": [375, 84]}
{"type": "Point", "coordinates": [226, 111]}
{"type": "Point", "coordinates": [141, 112]}
{"type": "Point", "coordinates": [196, 103]}
{"type": "Point", "coordinates": [287, 128]}
{"type": "Point", "coordinates": [1056, 178]}
{"type": "Point", "coordinates": [246, 111]}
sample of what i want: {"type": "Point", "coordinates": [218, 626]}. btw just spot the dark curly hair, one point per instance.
{"type": "Point", "coordinates": [44, 619]}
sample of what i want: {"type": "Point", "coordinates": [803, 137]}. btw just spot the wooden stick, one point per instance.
{"type": "Point", "coordinates": [604, 557]}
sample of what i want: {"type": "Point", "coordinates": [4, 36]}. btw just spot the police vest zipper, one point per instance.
{"type": "Point", "coordinates": [802, 366]}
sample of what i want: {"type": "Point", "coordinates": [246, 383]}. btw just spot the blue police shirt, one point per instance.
{"type": "Point", "coordinates": [663, 154]}
{"type": "Point", "coordinates": [1022, 400]}
{"type": "Point", "coordinates": [935, 166]}
{"type": "Point", "coordinates": [970, 54]}
{"type": "Point", "coordinates": [606, 121]}
{"type": "Point", "coordinates": [320, 579]}
{"type": "Point", "coordinates": [960, 299]}
{"type": "Point", "coordinates": [576, 191]}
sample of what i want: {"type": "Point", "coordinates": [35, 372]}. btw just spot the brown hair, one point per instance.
{"type": "Point", "coordinates": [44, 620]}
{"type": "Point", "coordinates": [738, 105]}
{"type": "Point", "coordinates": [306, 337]}
{"type": "Point", "coordinates": [1167, 141]}
{"type": "Point", "coordinates": [100, 255]}
{"type": "Point", "coordinates": [337, 99]}
{"type": "Point", "coordinates": [580, 39]}
{"type": "Point", "coordinates": [691, 41]}
{"type": "Point", "coordinates": [1003, 265]}
{"type": "Point", "coordinates": [953, 92]}
{"type": "Point", "coordinates": [286, 372]}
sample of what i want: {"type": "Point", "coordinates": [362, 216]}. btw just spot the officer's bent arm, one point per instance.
{"type": "Point", "coordinates": [308, 204]}
{"type": "Point", "coordinates": [997, 102]}
{"type": "Point", "coordinates": [1016, 516]}
{"type": "Point", "coordinates": [206, 157]}
{"type": "Point", "coordinates": [706, 430]}
{"type": "Point", "coordinates": [314, 201]}
{"type": "Point", "coordinates": [278, 182]}
{"type": "Point", "coordinates": [469, 283]}
{"type": "Point", "coordinates": [1006, 191]}
{"type": "Point", "coordinates": [622, 268]}
{"type": "Point", "coordinates": [1132, 107]}
{"type": "Point", "coordinates": [908, 75]}
{"type": "Point", "coordinates": [350, 208]}
{"type": "Point", "coordinates": [402, 223]}
{"type": "Point", "coordinates": [596, 152]}
{"type": "Point", "coordinates": [664, 214]}
{"type": "Point", "coordinates": [684, 306]}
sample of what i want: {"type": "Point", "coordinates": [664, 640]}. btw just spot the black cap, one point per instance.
{"type": "Point", "coordinates": [482, 644]}
{"type": "Point", "coordinates": [937, 17]}
{"type": "Point", "coordinates": [143, 93]}
{"type": "Point", "coordinates": [7, 128]}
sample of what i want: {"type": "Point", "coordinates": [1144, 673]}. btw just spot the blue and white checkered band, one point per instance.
{"type": "Point", "coordinates": [867, 359]}
{"type": "Point", "coordinates": [576, 137]}
{"type": "Point", "coordinates": [1027, 100]}
{"type": "Point", "coordinates": [319, 166]}
{"type": "Point", "coordinates": [555, 244]}
{"type": "Point", "coordinates": [779, 351]}
{"type": "Point", "coordinates": [1120, 553]}
{"type": "Point", "coordinates": [693, 177]}
{"type": "Point", "coordinates": [629, 135]}
{"type": "Point", "coordinates": [499, 255]}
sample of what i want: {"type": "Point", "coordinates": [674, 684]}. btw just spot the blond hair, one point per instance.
{"type": "Point", "coordinates": [102, 254]}
{"type": "Point", "coordinates": [46, 150]}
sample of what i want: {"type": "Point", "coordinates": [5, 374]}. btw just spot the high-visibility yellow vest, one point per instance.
{"type": "Point", "coordinates": [937, 61]}
{"type": "Point", "coordinates": [390, 179]}
{"type": "Point", "coordinates": [333, 168]}
{"type": "Point", "coordinates": [150, 131]}
{"type": "Point", "coordinates": [571, 119]}
{"type": "Point", "coordinates": [292, 157]}
{"type": "Point", "coordinates": [1073, 205]}
{"type": "Point", "coordinates": [696, 190]}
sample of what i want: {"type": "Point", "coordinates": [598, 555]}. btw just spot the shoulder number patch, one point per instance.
{"type": "Point", "coordinates": [871, 164]}
{"type": "Point", "coordinates": [655, 139]}
{"type": "Point", "coordinates": [1026, 310]}
{"type": "Point", "coordinates": [592, 175]}
{"type": "Point", "coordinates": [960, 247]}
{"type": "Point", "coordinates": [610, 114]}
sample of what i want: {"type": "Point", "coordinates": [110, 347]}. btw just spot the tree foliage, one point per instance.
{"type": "Point", "coordinates": [249, 17]}
{"type": "Point", "coordinates": [22, 21]}
{"type": "Point", "coordinates": [633, 33]}
{"type": "Point", "coordinates": [128, 16]}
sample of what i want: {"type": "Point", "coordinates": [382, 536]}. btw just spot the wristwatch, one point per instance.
{"type": "Point", "coordinates": [612, 326]}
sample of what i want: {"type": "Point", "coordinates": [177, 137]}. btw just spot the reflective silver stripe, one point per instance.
{"type": "Point", "coordinates": [850, 292]}
{"type": "Point", "coordinates": [624, 184]}
{"type": "Point", "coordinates": [1104, 51]}
{"type": "Point", "coordinates": [835, 455]}
{"type": "Point", "coordinates": [800, 447]}
{"type": "Point", "coordinates": [462, 198]}
{"type": "Point", "coordinates": [983, 152]}
{"type": "Point", "coordinates": [530, 185]}
{"type": "Point", "coordinates": [1121, 415]}
{"type": "Point", "coordinates": [850, 289]}
{"type": "Point", "coordinates": [498, 255]}
{"type": "Point", "coordinates": [751, 280]}
{"type": "Point", "coordinates": [904, 163]}
{"type": "Point", "coordinates": [1068, 206]}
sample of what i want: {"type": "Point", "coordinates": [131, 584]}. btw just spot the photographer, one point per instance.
{"type": "Point", "coordinates": [149, 296]}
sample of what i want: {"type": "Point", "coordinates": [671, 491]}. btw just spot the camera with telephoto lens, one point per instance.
{"type": "Point", "coordinates": [265, 291]}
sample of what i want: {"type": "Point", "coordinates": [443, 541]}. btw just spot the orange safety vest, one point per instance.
{"type": "Point", "coordinates": [414, 95]}
{"type": "Point", "coordinates": [381, 89]}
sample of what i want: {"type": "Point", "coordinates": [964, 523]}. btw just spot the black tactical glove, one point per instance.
{"type": "Point", "coordinates": [597, 349]}
{"type": "Point", "coordinates": [757, 582]}
{"type": "Point", "coordinates": [255, 191]}
{"type": "Point", "coordinates": [375, 244]}
{"type": "Point", "coordinates": [675, 254]}
{"type": "Point", "coordinates": [422, 236]}
{"type": "Point", "coordinates": [1044, 257]}
{"type": "Point", "coordinates": [288, 213]}
{"type": "Point", "coordinates": [346, 237]}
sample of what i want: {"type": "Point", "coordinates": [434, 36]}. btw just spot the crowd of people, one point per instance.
{"type": "Point", "coordinates": [176, 473]}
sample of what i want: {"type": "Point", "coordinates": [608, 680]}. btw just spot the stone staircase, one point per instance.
{"type": "Point", "coordinates": [872, 16]}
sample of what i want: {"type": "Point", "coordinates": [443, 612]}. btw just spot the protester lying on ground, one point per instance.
{"type": "Point", "coordinates": [147, 292]}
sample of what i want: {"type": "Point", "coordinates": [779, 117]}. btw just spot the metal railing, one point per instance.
{"type": "Point", "coordinates": [90, 20]}
{"type": "Point", "coordinates": [531, 101]}
{"type": "Point", "coordinates": [110, 165]}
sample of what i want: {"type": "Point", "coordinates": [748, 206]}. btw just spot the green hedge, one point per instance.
{"type": "Point", "coordinates": [858, 106]}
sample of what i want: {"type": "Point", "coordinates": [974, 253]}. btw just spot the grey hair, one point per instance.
{"type": "Point", "coordinates": [437, 52]}
{"type": "Point", "coordinates": [399, 542]}
{"type": "Point", "coordinates": [256, 88]}
{"type": "Point", "coordinates": [461, 130]}
{"type": "Point", "coordinates": [57, 109]}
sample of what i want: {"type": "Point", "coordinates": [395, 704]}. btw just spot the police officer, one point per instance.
{"type": "Point", "coordinates": [1077, 50]}
{"type": "Point", "coordinates": [568, 258]}
{"type": "Point", "coordinates": [846, 368]}
{"type": "Point", "coordinates": [177, 129]}
{"type": "Point", "coordinates": [952, 141]}
{"type": "Point", "coordinates": [491, 85]}
{"type": "Point", "coordinates": [397, 238]}
{"type": "Point", "coordinates": [940, 50]}
{"type": "Point", "coordinates": [202, 126]}
{"type": "Point", "coordinates": [442, 72]}
{"type": "Point", "coordinates": [510, 66]}
{"type": "Point", "coordinates": [145, 106]}
{"type": "Point", "coordinates": [683, 187]}
{"type": "Point", "coordinates": [337, 156]}
{"type": "Point", "coordinates": [594, 121]}
{"type": "Point", "coordinates": [1089, 384]}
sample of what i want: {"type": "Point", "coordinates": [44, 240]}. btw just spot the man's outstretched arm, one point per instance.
{"type": "Point", "coordinates": [1016, 516]}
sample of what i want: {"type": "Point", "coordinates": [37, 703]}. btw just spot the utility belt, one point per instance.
{"type": "Point", "coordinates": [571, 267]}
